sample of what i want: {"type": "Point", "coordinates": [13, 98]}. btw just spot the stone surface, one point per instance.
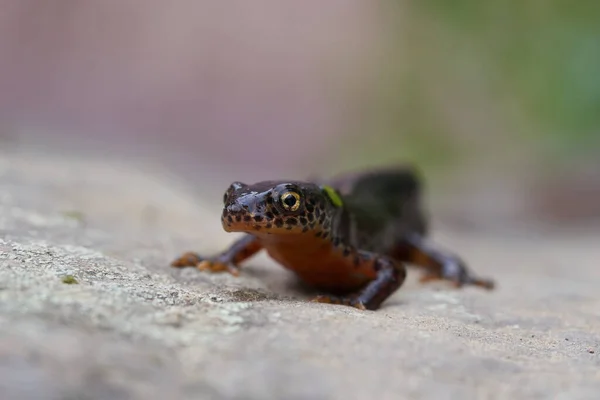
{"type": "Point", "coordinates": [133, 328]}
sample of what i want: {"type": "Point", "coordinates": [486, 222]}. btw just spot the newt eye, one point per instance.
{"type": "Point", "coordinates": [290, 201]}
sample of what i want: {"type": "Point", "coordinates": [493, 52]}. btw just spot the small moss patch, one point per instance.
{"type": "Point", "coordinates": [69, 280]}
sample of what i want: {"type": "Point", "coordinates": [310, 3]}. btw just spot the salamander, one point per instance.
{"type": "Point", "coordinates": [349, 237]}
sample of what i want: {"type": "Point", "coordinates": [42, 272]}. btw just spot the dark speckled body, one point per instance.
{"type": "Point", "coordinates": [349, 237]}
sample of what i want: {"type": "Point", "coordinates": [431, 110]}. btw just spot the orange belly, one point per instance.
{"type": "Point", "coordinates": [322, 266]}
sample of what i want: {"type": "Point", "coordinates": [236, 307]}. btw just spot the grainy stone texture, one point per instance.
{"type": "Point", "coordinates": [133, 328]}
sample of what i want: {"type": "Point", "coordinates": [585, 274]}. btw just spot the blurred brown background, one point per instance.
{"type": "Point", "coordinates": [497, 102]}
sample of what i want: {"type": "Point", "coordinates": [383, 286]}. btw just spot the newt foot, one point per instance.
{"type": "Point", "coordinates": [346, 301]}
{"type": "Point", "coordinates": [216, 266]}
{"type": "Point", "coordinates": [194, 260]}
{"type": "Point", "coordinates": [186, 260]}
{"type": "Point", "coordinates": [459, 281]}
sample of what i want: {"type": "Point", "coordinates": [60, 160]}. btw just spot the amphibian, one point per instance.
{"type": "Point", "coordinates": [349, 237]}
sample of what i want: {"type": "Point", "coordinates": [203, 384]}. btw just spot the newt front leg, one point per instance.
{"type": "Point", "coordinates": [389, 276]}
{"type": "Point", "coordinates": [228, 260]}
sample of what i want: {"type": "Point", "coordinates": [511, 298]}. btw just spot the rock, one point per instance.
{"type": "Point", "coordinates": [134, 328]}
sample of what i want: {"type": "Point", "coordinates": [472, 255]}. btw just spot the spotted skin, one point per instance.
{"type": "Point", "coordinates": [349, 239]}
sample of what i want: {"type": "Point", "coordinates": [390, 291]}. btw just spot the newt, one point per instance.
{"type": "Point", "coordinates": [349, 237]}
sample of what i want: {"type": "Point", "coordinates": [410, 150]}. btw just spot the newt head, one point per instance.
{"type": "Point", "coordinates": [279, 207]}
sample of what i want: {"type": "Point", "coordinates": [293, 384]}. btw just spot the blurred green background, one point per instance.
{"type": "Point", "coordinates": [526, 71]}
{"type": "Point", "coordinates": [509, 89]}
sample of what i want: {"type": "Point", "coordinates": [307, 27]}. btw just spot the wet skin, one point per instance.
{"type": "Point", "coordinates": [349, 237]}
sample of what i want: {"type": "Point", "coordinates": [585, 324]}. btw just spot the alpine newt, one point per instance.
{"type": "Point", "coordinates": [349, 237]}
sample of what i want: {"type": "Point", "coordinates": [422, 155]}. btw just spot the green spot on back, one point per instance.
{"type": "Point", "coordinates": [333, 196]}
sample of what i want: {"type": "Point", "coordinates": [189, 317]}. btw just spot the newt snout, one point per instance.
{"type": "Point", "coordinates": [237, 219]}
{"type": "Point", "coordinates": [242, 212]}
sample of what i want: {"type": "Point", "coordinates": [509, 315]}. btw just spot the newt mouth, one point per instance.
{"type": "Point", "coordinates": [247, 222]}
{"type": "Point", "coordinates": [239, 221]}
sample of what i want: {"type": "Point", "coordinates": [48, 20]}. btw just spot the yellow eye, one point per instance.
{"type": "Point", "coordinates": [290, 201]}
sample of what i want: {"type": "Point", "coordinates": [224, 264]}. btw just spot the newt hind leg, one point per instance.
{"type": "Point", "coordinates": [439, 264]}
{"type": "Point", "coordinates": [389, 276]}
{"type": "Point", "coordinates": [227, 261]}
